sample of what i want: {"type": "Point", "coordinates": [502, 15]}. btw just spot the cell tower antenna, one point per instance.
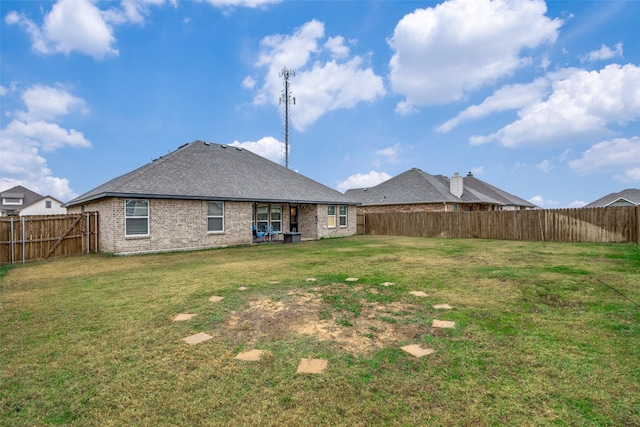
{"type": "Point", "coordinates": [286, 99]}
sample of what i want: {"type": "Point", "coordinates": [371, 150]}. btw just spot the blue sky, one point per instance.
{"type": "Point", "coordinates": [539, 99]}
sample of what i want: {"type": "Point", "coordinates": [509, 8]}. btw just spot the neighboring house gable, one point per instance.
{"type": "Point", "coordinates": [416, 190]}
{"type": "Point", "coordinates": [628, 197]}
{"type": "Point", "coordinates": [208, 195]}
{"type": "Point", "coordinates": [21, 201]}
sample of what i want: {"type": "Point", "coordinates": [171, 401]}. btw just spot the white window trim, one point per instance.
{"type": "Point", "coordinates": [345, 216]}
{"type": "Point", "coordinates": [335, 216]}
{"type": "Point", "coordinates": [137, 236]}
{"type": "Point", "coordinates": [7, 201]}
{"type": "Point", "coordinates": [215, 216]}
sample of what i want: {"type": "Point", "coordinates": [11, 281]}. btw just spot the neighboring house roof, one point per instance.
{"type": "Point", "coordinates": [630, 195]}
{"type": "Point", "coordinates": [484, 189]}
{"type": "Point", "coordinates": [416, 186]}
{"type": "Point", "coordinates": [207, 171]}
{"type": "Point", "coordinates": [19, 192]}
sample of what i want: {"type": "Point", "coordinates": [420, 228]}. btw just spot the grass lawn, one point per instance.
{"type": "Point", "coordinates": [539, 337]}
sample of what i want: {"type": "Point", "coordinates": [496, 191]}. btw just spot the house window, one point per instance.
{"type": "Point", "coordinates": [268, 215]}
{"type": "Point", "coordinates": [136, 217]}
{"type": "Point", "coordinates": [47, 204]}
{"type": "Point", "coordinates": [262, 217]}
{"type": "Point", "coordinates": [11, 201]}
{"type": "Point", "coordinates": [331, 216]}
{"type": "Point", "coordinates": [215, 217]}
{"type": "Point", "coordinates": [343, 216]}
{"type": "Point", "coordinates": [276, 217]}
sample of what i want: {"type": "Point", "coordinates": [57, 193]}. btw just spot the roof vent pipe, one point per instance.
{"type": "Point", "coordinates": [456, 185]}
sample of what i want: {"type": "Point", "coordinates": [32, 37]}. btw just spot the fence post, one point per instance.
{"type": "Point", "coordinates": [638, 224]}
{"type": "Point", "coordinates": [88, 227]}
{"type": "Point", "coordinates": [12, 244]}
{"type": "Point", "coordinates": [23, 239]}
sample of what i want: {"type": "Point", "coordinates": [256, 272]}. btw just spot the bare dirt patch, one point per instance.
{"type": "Point", "coordinates": [376, 325]}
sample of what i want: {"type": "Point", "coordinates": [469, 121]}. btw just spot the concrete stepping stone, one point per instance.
{"type": "Point", "coordinates": [387, 284]}
{"type": "Point", "coordinates": [251, 355]}
{"type": "Point", "coordinates": [243, 288]}
{"type": "Point", "coordinates": [311, 279]}
{"type": "Point", "coordinates": [312, 366]}
{"type": "Point", "coordinates": [442, 307]}
{"type": "Point", "coordinates": [197, 338]}
{"type": "Point", "coordinates": [183, 316]}
{"type": "Point", "coordinates": [273, 282]}
{"type": "Point", "coordinates": [418, 293]}
{"type": "Point", "coordinates": [215, 299]}
{"type": "Point", "coordinates": [443, 324]}
{"type": "Point", "coordinates": [351, 279]}
{"type": "Point", "coordinates": [417, 350]}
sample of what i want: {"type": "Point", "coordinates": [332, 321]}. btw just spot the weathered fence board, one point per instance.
{"type": "Point", "coordinates": [603, 225]}
{"type": "Point", "coordinates": [30, 238]}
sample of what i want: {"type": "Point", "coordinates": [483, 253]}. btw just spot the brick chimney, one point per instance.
{"type": "Point", "coordinates": [456, 185]}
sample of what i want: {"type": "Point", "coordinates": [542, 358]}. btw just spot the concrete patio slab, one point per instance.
{"type": "Point", "coordinates": [215, 299]}
{"type": "Point", "coordinates": [442, 307]}
{"type": "Point", "coordinates": [183, 316]}
{"type": "Point", "coordinates": [418, 293]}
{"type": "Point", "coordinates": [312, 366]}
{"type": "Point", "coordinates": [443, 324]}
{"type": "Point", "coordinates": [197, 338]}
{"type": "Point", "coordinates": [417, 350]}
{"type": "Point", "coordinates": [251, 355]}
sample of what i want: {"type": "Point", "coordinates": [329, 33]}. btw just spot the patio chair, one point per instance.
{"type": "Point", "coordinates": [271, 232]}
{"type": "Point", "coordinates": [258, 235]}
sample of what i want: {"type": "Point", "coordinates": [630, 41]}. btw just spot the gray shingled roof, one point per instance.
{"type": "Point", "coordinates": [416, 186]}
{"type": "Point", "coordinates": [19, 192]}
{"type": "Point", "coordinates": [207, 171]}
{"type": "Point", "coordinates": [632, 195]}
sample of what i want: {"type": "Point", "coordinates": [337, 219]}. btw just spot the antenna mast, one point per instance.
{"type": "Point", "coordinates": [286, 99]}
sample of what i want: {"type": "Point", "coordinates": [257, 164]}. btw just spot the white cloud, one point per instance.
{"type": "Point", "coordinates": [390, 153]}
{"type": "Point", "coordinates": [241, 3]}
{"type": "Point", "coordinates": [581, 106]}
{"type": "Point", "coordinates": [249, 83]}
{"type": "Point", "coordinates": [444, 52]}
{"type": "Point", "coordinates": [620, 155]}
{"type": "Point", "coordinates": [605, 52]}
{"type": "Point", "coordinates": [267, 147]}
{"type": "Point", "coordinates": [81, 26]}
{"type": "Point", "coordinates": [630, 175]}
{"type": "Point", "coordinates": [319, 85]}
{"type": "Point", "coordinates": [577, 204]}
{"type": "Point", "coordinates": [45, 103]}
{"type": "Point", "coordinates": [336, 46]}
{"type": "Point", "coordinates": [360, 180]}
{"type": "Point", "coordinates": [71, 25]}
{"type": "Point", "coordinates": [33, 131]}
{"type": "Point", "coordinates": [545, 166]}
{"type": "Point", "coordinates": [510, 97]}
{"type": "Point", "coordinates": [544, 203]}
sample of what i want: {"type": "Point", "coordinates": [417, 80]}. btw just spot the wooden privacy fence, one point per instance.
{"type": "Point", "coordinates": [602, 225]}
{"type": "Point", "coordinates": [30, 238]}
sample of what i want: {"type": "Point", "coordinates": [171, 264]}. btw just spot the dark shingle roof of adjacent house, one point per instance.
{"type": "Point", "coordinates": [207, 171]}
{"type": "Point", "coordinates": [630, 195]}
{"type": "Point", "coordinates": [416, 186]}
{"type": "Point", "coordinates": [19, 192]}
